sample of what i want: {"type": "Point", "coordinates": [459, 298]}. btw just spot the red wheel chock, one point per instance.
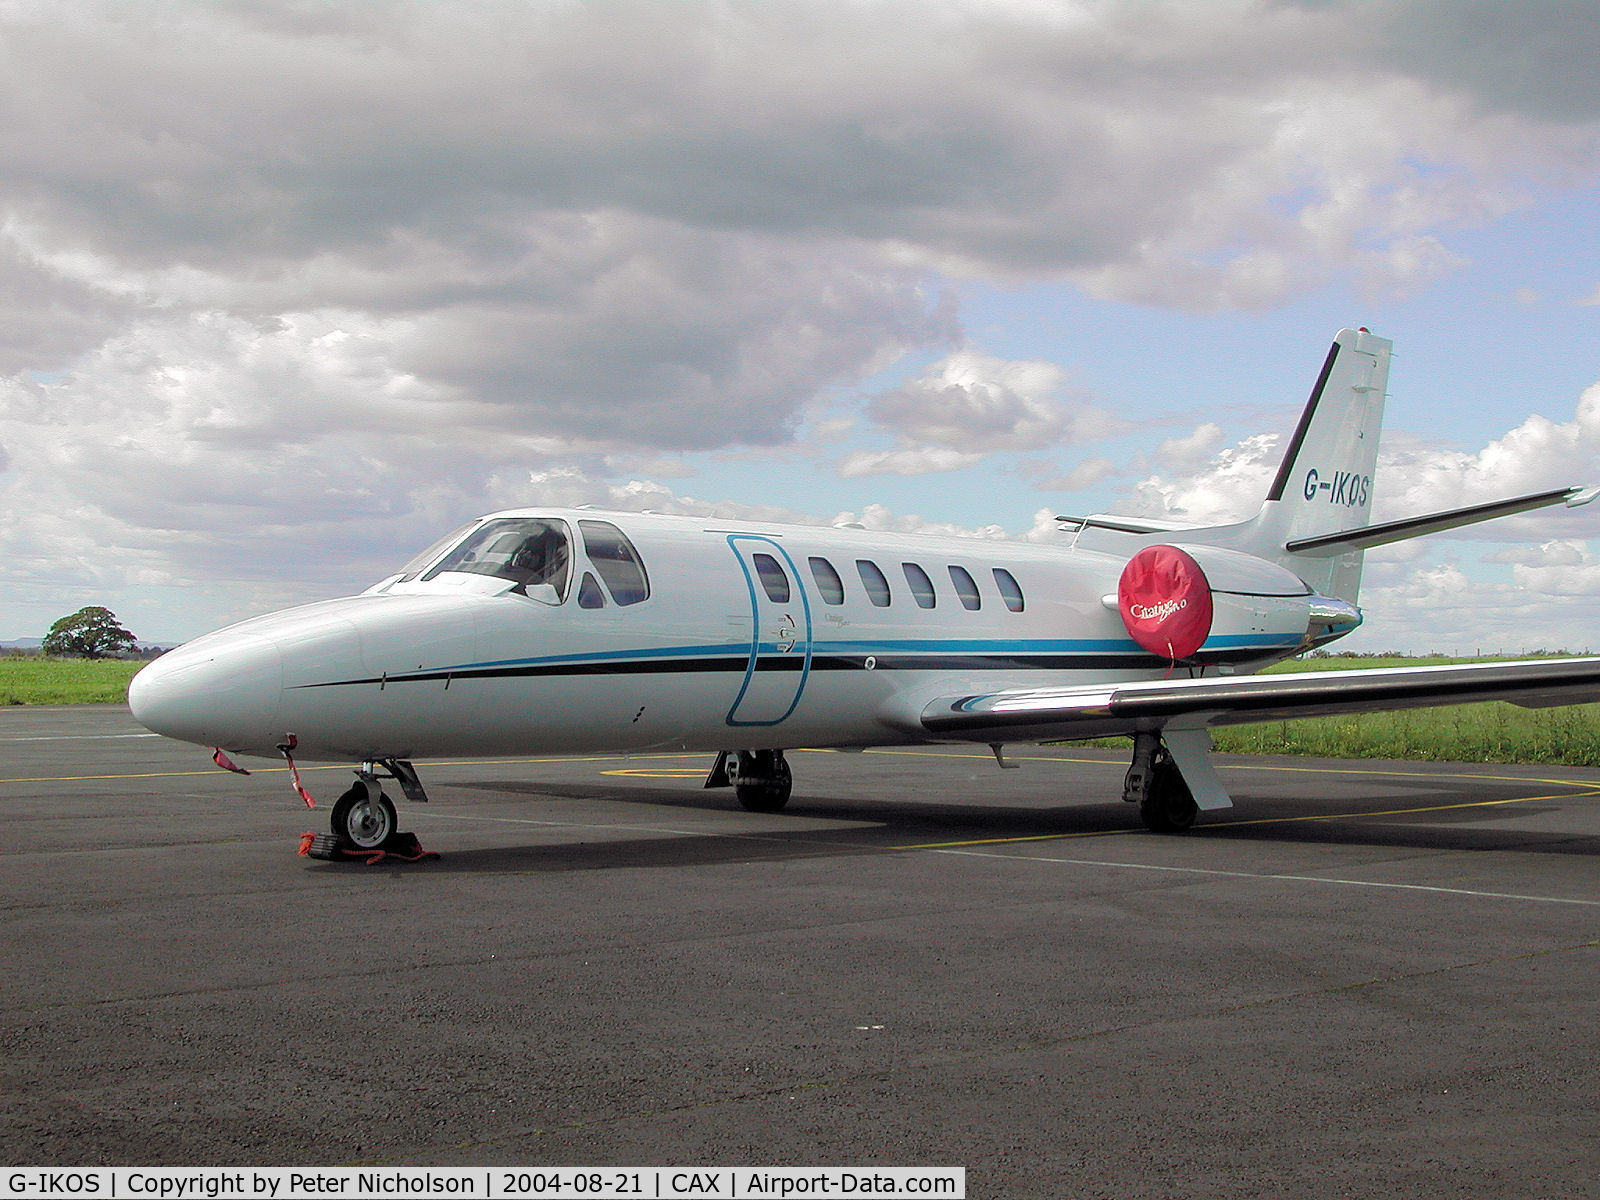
{"type": "Point", "coordinates": [397, 847]}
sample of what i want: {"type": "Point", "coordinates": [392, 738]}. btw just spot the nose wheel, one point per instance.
{"type": "Point", "coordinates": [364, 818]}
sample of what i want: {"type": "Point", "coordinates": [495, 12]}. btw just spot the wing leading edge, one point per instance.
{"type": "Point", "coordinates": [1099, 710]}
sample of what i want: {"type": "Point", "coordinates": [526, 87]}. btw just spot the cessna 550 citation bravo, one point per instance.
{"type": "Point", "coordinates": [576, 631]}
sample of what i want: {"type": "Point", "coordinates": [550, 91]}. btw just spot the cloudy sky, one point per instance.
{"type": "Point", "coordinates": [289, 289]}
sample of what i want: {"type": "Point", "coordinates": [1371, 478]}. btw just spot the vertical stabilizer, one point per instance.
{"type": "Point", "coordinates": [1324, 484]}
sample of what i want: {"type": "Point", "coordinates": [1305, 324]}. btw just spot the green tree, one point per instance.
{"type": "Point", "coordinates": [90, 632]}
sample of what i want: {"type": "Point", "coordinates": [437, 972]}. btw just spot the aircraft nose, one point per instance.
{"type": "Point", "coordinates": [222, 690]}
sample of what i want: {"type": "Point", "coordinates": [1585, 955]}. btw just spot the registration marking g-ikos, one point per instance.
{"type": "Point", "coordinates": [1345, 488]}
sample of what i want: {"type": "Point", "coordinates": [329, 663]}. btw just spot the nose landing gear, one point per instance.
{"type": "Point", "coordinates": [364, 818]}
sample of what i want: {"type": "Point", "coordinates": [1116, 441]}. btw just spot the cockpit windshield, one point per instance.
{"type": "Point", "coordinates": [419, 562]}
{"type": "Point", "coordinates": [532, 552]}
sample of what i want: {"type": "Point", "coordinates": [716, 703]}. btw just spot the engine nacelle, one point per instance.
{"type": "Point", "coordinates": [1174, 598]}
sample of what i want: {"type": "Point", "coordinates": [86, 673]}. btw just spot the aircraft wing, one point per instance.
{"type": "Point", "coordinates": [1098, 710]}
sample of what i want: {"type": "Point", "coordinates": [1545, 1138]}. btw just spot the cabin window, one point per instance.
{"type": "Point", "coordinates": [873, 579]}
{"type": "Point", "coordinates": [966, 588]}
{"type": "Point", "coordinates": [829, 585]}
{"type": "Point", "coordinates": [773, 579]}
{"type": "Point", "coordinates": [921, 586]}
{"type": "Point", "coordinates": [531, 552]}
{"type": "Point", "coordinates": [617, 561]}
{"type": "Point", "coordinates": [589, 593]}
{"type": "Point", "coordinates": [1010, 590]}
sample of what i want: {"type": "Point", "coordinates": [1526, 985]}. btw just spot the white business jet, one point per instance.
{"type": "Point", "coordinates": [574, 631]}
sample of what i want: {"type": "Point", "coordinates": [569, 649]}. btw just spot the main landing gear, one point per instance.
{"type": "Point", "coordinates": [1156, 785]}
{"type": "Point", "coordinates": [759, 778]}
{"type": "Point", "coordinates": [364, 818]}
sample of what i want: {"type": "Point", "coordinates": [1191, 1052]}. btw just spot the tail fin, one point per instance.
{"type": "Point", "coordinates": [1324, 484]}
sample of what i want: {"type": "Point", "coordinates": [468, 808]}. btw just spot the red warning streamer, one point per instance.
{"type": "Point", "coordinates": [286, 749]}
{"type": "Point", "coordinates": [226, 763]}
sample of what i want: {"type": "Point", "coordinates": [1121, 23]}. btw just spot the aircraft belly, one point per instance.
{"type": "Point", "coordinates": [437, 717]}
{"type": "Point", "coordinates": [680, 711]}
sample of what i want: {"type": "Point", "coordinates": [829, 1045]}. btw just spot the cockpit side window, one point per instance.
{"type": "Point", "coordinates": [531, 552]}
{"type": "Point", "coordinates": [589, 593]}
{"type": "Point", "coordinates": [617, 561]}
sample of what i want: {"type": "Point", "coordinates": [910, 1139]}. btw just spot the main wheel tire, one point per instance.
{"type": "Point", "coordinates": [360, 823]}
{"type": "Point", "coordinates": [1169, 807]}
{"type": "Point", "coordinates": [762, 780]}
{"type": "Point", "coordinates": [763, 797]}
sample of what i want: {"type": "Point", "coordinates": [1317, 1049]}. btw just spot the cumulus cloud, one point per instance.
{"type": "Point", "coordinates": [619, 328]}
{"type": "Point", "coordinates": [1537, 456]}
{"type": "Point", "coordinates": [1196, 156]}
{"type": "Point", "coordinates": [1533, 62]}
{"type": "Point", "coordinates": [1085, 474]}
{"type": "Point", "coordinates": [1440, 606]}
{"type": "Point", "coordinates": [1178, 453]}
{"type": "Point", "coordinates": [986, 403]}
{"type": "Point", "coordinates": [1559, 567]}
{"type": "Point", "coordinates": [970, 405]}
{"type": "Point", "coordinates": [1230, 487]}
{"type": "Point", "coordinates": [322, 276]}
{"type": "Point", "coordinates": [925, 461]}
{"type": "Point", "coordinates": [879, 517]}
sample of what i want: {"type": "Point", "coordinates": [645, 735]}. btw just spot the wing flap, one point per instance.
{"type": "Point", "coordinates": [1039, 714]}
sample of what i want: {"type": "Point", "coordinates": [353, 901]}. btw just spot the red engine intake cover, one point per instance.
{"type": "Point", "coordinates": [1165, 601]}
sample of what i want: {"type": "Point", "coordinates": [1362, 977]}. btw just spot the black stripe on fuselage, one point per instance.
{"type": "Point", "coordinates": [781, 663]}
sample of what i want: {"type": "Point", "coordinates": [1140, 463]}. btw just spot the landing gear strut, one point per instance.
{"type": "Point", "coordinates": [1156, 785]}
{"type": "Point", "coordinates": [760, 778]}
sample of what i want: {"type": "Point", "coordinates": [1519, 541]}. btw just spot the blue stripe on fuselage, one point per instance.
{"type": "Point", "coordinates": [904, 654]}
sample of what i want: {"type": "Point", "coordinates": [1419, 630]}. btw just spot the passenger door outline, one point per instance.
{"type": "Point", "coordinates": [780, 640]}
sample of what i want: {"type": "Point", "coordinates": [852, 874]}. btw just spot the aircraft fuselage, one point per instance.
{"type": "Point", "coordinates": [749, 635]}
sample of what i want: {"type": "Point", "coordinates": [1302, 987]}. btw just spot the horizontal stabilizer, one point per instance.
{"type": "Point", "coordinates": [1121, 524]}
{"type": "Point", "coordinates": [1065, 713]}
{"type": "Point", "coordinates": [1328, 544]}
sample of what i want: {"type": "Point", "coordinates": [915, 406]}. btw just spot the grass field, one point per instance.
{"type": "Point", "coordinates": [1501, 733]}
{"type": "Point", "coordinates": [1494, 732]}
{"type": "Point", "coordinates": [29, 679]}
